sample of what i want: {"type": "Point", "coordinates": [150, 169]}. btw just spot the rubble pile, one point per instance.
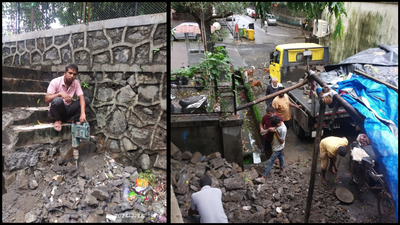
{"type": "Point", "coordinates": [60, 192]}
{"type": "Point", "coordinates": [281, 198]}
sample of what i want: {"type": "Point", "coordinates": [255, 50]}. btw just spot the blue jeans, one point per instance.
{"type": "Point", "coordinates": [275, 154]}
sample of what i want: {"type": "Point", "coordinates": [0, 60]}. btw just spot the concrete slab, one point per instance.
{"type": "Point", "coordinates": [23, 99]}
{"type": "Point", "coordinates": [38, 114]}
{"type": "Point", "coordinates": [24, 85]}
{"type": "Point", "coordinates": [23, 73]}
{"type": "Point", "coordinates": [31, 135]}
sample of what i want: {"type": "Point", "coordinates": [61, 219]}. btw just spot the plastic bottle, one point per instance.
{"type": "Point", "coordinates": [126, 193]}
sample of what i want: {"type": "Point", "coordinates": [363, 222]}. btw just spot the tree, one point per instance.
{"type": "Point", "coordinates": [203, 15]}
{"type": "Point", "coordinates": [313, 10]}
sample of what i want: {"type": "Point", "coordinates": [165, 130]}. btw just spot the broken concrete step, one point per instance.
{"type": "Point", "coordinates": [23, 99]}
{"type": "Point", "coordinates": [38, 114]}
{"type": "Point", "coordinates": [23, 73]}
{"type": "Point", "coordinates": [24, 85]}
{"type": "Point", "coordinates": [40, 134]}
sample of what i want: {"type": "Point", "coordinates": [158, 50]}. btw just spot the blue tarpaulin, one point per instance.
{"type": "Point", "coordinates": [379, 105]}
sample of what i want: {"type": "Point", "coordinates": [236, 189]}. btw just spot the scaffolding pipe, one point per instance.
{"type": "Point", "coordinates": [314, 160]}
{"type": "Point", "coordinates": [240, 107]}
{"type": "Point", "coordinates": [355, 115]}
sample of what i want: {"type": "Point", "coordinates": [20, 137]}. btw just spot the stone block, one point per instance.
{"type": "Point", "coordinates": [196, 157]}
{"type": "Point", "coordinates": [33, 184]}
{"type": "Point", "coordinates": [144, 161]}
{"type": "Point", "coordinates": [99, 194]}
{"type": "Point", "coordinates": [59, 178]}
{"type": "Point", "coordinates": [234, 183]}
{"type": "Point", "coordinates": [161, 162]}
{"type": "Point", "coordinates": [186, 155]}
{"type": "Point", "coordinates": [9, 178]}
{"type": "Point", "coordinates": [214, 155]}
{"type": "Point", "coordinates": [200, 169]}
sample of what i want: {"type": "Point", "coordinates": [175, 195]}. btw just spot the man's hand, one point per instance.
{"type": "Point", "coordinates": [66, 97]}
{"type": "Point", "coordinates": [82, 118]}
{"type": "Point", "coordinates": [299, 106]}
{"type": "Point", "coordinates": [271, 129]}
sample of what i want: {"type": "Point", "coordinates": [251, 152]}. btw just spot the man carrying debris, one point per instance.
{"type": "Point", "coordinates": [59, 95]}
{"type": "Point", "coordinates": [207, 203]}
{"type": "Point", "coordinates": [329, 147]}
{"type": "Point", "coordinates": [278, 143]}
{"type": "Point", "coordinates": [266, 129]}
{"type": "Point", "coordinates": [281, 103]}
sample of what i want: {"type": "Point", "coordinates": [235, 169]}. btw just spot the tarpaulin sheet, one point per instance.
{"type": "Point", "coordinates": [379, 105]}
{"type": "Point", "coordinates": [381, 63]}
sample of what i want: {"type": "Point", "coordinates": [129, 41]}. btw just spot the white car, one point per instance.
{"type": "Point", "coordinates": [192, 36]}
{"type": "Point", "coordinates": [271, 20]}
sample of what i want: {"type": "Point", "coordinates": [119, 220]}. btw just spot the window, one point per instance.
{"type": "Point", "coordinates": [300, 57]}
{"type": "Point", "coordinates": [277, 56]}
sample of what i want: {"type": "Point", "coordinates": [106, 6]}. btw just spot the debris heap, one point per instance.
{"type": "Point", "coordinates": [281, 198]}
{"type": "Point", "coordinates": [62, 193]}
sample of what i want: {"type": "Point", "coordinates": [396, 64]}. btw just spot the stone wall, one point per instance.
{"type": "Point", "coordinates": [123, 61]}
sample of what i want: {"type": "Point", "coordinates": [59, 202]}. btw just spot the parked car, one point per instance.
{"type": "Point", "coordinates": [271, 20]}
{"type": "Point", "coordinates": [181, 36]}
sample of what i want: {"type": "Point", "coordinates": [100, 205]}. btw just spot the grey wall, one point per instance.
{"type": "Point", "coordinates": [208, 135]}
{"type": "Point", "coordinates": [124, 62]}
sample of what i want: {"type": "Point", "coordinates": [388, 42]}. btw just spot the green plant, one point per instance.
{"type": "Point", "coordinates": [156, 50]}
{"type": "Point", "coordinates": [38, 101]}
{"type": "Point", "coordinates": [85, 85]}
{"type": "Point", "coordinates": [148, 176]}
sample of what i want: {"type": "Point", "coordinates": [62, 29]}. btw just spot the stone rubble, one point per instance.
{"type": "Point", "coordinates": [64, 194]}
{"type": "Point", "coordinates": [248, 198]}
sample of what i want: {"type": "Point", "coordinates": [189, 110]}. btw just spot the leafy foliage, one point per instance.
{"type": "Point", "coordinates": [148, 176]}
{"type": "Point", "coordinates": [313, 10]}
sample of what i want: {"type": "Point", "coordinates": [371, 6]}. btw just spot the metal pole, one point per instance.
{"type": "Point", "coordinates": [88, 13]}
{"type": "Point", "coordinates": [234, 91]}
{"type": "Point", "coordinates": [315, 159]}
{"type": "Point", "coordinates": [19, 16]}
{"type": "Point", "coordinates": [272, 95]}
{"type": "Point", "coordinates": [84, 12]}
{"type": "Point", "coordinates": [136, 3]}
{"type": "Point", "coordinates": [32, 16]}
{"type": "Point", "coordinates": [76, 12]}
{"type": "Point", "coordinates": [377, 80]}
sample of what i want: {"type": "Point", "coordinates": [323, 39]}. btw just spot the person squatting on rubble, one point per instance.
{"type": "Point", "coordinates": [207, 203]}
{"type": "Point", "coordinates": [266, 129]}
{"type": "Point", "coordinates": [59, 95]}
{"type": "Point", "coordinates": [278, 144]}
{"type": "Point", "coordinates": [329, 147]}
{"type": "Point", "coordinates": [272, 88]}
{"type": "Point", "coordinates": [281, 104]}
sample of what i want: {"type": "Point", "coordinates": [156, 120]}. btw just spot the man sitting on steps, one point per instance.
{"type": "Point", "coordinates": [59, 95]}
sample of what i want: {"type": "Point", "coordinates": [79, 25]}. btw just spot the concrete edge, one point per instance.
{"type": "Point", "coordinates": [104, 24]}
{"type": "Point", "coordinates": [175, 216]}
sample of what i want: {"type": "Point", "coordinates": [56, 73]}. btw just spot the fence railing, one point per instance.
{"type": "Point", "coordinates": [22, 17]}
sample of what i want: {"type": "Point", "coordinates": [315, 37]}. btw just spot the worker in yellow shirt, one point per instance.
{"type": "Point", "coordinates": [329, 147]}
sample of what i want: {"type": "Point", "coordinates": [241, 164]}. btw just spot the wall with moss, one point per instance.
{"type": "Point", "coordinates": [123, 61]}
{"type": "Point", "coordinates": [367, 25]}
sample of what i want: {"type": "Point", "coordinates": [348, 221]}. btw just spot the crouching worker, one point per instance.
{"type": "Point", "coordinates": [278, 143]}
{"type": "Point", "coordinates": [59, 95]}
{"type": "Point", "coordinates": [329, 147]}
{"type": "Point", "coordinates": [207, 203]}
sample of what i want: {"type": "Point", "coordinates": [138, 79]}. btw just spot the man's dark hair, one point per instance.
{"type": "Point", "coordinates": [342, 151]}
{"type": "Point", "coordinates": [270, 109]}
{"type": "Point", "coordinates": [71, 66]}
{"type": "Point", "coordinates": [280, 89]}
{"type": "Point", "coordinates": [275, 120]}
{"type": "Point", "coordinates": [205, 180]}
